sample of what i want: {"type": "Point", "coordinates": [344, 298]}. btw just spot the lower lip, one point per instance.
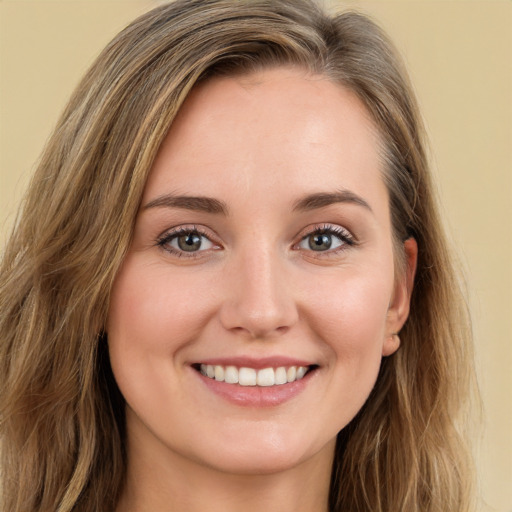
{"type": "Point", "coordinates": [257, 396]}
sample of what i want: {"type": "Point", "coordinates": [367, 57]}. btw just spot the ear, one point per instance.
{"type": "Point", "coordinates": [399, 306]}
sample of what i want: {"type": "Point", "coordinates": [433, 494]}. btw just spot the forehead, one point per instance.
{"type": "Point", "coordinates": [279, 128]}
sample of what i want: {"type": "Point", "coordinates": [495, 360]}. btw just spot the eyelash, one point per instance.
{"type": "Point", "coordinates": [164, 240]}
{"type": "Point", "coordinates": [347, 239]}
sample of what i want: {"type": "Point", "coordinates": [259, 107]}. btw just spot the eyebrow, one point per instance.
{"type": "Point", "coordinates": [199, 203]}
{"type": "Point", "coordinates": [322, 199]}
{"type": "Point", "coordinates": [211, 205]}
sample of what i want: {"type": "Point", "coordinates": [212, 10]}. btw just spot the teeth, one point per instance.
{"type": "Point", "coordinates": [251, 377]}
{"type": "Point", "coordinates": [301, 371]}
{"type": "Point", "coordinates": [231, 375]}
{"type": "Point", "coordinates": [281, 376]}
{"type": "Point", "coordinates": [247, 377]}
{"type": "Point", "coordinates": [219, 373]}
{"type": "Point", "coordinates": [266, 377]}
{"type": "Point", "coordinates": [291, 373]}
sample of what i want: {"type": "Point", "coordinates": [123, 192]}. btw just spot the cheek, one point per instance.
{"type": "Point", "coordinates": [351, 307]}
{"type": "Point", "coordinates": [150, 320]}
{"type": "Point", "coordinates": [350, 322]}
{"type": "Point", "coordinates": [151, 307]}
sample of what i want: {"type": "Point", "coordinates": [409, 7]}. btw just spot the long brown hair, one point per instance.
{"type": "Point", "coordinates": [62, 416]}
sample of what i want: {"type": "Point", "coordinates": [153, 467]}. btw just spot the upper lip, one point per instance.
{"type": "Point", "coordinates": [256, 363]}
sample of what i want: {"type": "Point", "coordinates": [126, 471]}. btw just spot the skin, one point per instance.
{"type": "Point", "coordinates": [258, 144]}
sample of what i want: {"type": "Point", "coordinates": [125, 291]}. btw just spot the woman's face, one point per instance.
{"type": "Point", "coordinates": [262, 249]}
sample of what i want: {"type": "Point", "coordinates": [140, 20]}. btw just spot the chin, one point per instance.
{"type": "Point", "coordinates": [265, 454]}
{"type": "Point", "coordinates": [251, 463]}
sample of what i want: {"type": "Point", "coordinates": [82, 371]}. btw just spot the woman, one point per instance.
{"type": "Point", "coordinates": [229, 286]}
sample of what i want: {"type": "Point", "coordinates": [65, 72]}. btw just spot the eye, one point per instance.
{"type": "Point", "coordinates": [185, 240]}
{"type": "Point", "coordinates": [326, 239]}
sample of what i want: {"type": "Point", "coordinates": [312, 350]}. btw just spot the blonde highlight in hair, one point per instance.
{"type": "Point", "coordinates": [61, 414]}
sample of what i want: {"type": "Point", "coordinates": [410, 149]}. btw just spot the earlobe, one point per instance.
{"type": "Point", "coordinates": [400, 304]}
{"type": "Point", "coordinates": [391, 345]}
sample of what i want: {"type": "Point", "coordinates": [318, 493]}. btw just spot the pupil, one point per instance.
{"type": "Point", "coordinates": [320, 242]}
{"type": "Point", "coordinates": [189, 242]}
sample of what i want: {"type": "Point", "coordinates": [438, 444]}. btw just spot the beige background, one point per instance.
{"type": "Point", "coordinates": [459, 53]}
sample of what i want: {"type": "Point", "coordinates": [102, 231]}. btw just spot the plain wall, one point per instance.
{"type": "Point", "coordinates": [459, 54]}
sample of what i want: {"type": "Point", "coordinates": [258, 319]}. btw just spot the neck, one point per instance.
{"type": "Point", "coordinates": [165, 481]}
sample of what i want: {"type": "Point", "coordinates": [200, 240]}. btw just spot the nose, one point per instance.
{"type": "Point", "coordinates": [259, 301]}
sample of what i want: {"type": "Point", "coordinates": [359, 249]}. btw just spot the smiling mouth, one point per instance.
{"type": "Point", "coordinates": [244, 376]}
